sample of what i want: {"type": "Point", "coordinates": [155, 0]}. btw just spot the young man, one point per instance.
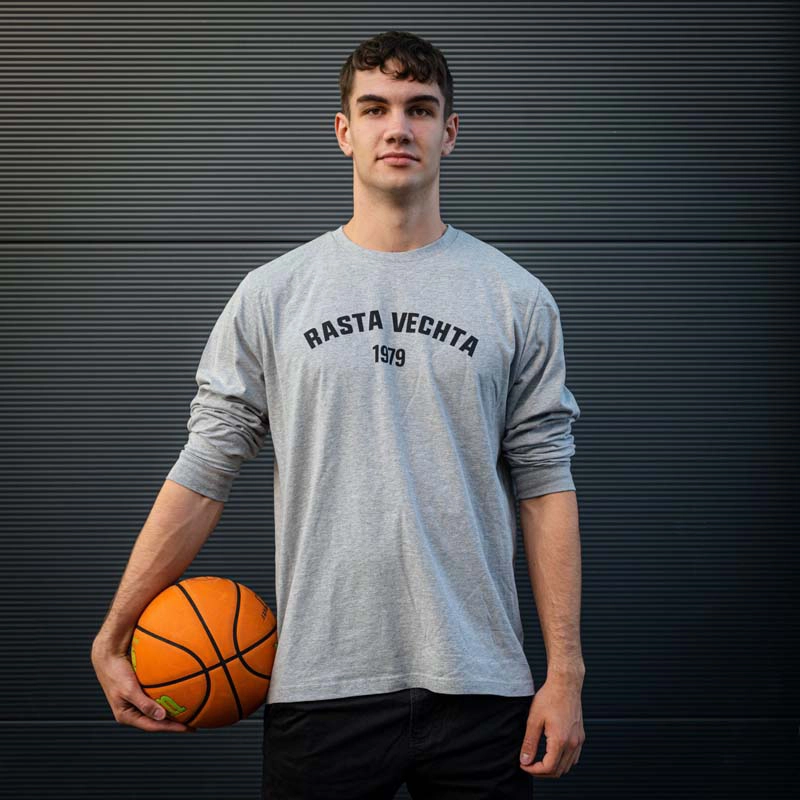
{"type": "Point", "coordinates": [412, 378]}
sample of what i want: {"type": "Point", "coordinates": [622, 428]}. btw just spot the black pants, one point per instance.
{"type": "Point", "coordinates": [442, 746]}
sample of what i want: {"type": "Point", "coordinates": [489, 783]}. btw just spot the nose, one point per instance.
{"type": "Point", "coordinates": [398, 128]}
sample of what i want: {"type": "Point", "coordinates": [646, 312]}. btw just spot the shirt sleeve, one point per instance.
{"type": "Point", "coordinates": [228, 419]}
{"type": "Point", "coordinates": [537, 443]}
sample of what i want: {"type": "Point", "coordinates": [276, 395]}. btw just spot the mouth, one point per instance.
{"type": "Point", "coordinates": [398, 159]}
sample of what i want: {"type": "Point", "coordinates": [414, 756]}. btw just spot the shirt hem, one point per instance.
{"type": "Point", "coordinates": [323, 690]}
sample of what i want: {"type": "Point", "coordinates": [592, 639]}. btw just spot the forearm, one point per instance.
{"type": "Point", "coordinates": [175, 530]}
{"type": "Point", "coordinates": [550, 528]}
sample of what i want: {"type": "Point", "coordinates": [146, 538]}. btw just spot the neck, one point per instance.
{"type": "Point", "coordinates": [378, 225]}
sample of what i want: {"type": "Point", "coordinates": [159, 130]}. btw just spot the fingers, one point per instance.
{"type": "Point", "coordinates": [547, 767]}
{"type": "Point", "coordinates": [564, 761]}
{"type": "Point", "coordinates": [558, 759]}
{"type": "Point", "coordinates": [574, 760]}
{"type": "Point", "coordinates": [127, 713]}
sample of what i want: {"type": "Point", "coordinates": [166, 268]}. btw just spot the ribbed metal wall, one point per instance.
{"type": "Point", "coordinates": [640, 158]}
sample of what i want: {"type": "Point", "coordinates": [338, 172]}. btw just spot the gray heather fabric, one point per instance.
{"type": "Point", "coordinates": [409, 396]}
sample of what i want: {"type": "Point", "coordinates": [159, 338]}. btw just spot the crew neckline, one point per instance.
{"type": "Point", "coordinates": [433, 248]}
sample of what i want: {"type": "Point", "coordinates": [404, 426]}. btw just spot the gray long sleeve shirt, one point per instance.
{"type": "Point", "coordinates": [409, 396]}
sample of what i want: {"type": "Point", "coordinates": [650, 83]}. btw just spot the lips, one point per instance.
{"type": "Point", "coordinates": [400, 155]}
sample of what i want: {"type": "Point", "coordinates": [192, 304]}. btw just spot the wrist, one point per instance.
{"type": "Point", "coordinates": [566, 671]}
{"type": "Point", "coordinates": [113, 641]}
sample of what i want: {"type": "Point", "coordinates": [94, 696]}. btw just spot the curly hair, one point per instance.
{"type": "Point", "coordinates": [417, 58]}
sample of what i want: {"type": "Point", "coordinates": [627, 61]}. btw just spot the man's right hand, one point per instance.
{"type": "Point", "coordinates": [129, 703]}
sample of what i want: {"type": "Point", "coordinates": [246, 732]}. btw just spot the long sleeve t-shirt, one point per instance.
{"type": "Point", "coordinates": [410, 396]}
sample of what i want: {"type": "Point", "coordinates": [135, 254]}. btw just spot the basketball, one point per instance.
{"type": "Point", "coordinates": [204, 649]}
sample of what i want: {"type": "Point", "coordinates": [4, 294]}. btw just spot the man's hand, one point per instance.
{"type": "Point", "coordinates": [129, 704]}
{"type": "Point", "coordinates": [556, 711]}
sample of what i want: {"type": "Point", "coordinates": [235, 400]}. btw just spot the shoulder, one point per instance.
{"type": "Point", "coordinates": [285, 267]}
{"type": "Point", "coordinates": [520, 282]}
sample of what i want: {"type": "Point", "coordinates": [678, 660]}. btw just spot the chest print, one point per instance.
{"type": "Point", "coordinates": [401, 322]}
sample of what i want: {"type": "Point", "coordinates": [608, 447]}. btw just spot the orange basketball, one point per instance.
{"type": "Point", "coordinates": [204, 649]}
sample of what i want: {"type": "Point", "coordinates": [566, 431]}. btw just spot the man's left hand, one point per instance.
{"type": "Point", "coordinates": [556, 712]}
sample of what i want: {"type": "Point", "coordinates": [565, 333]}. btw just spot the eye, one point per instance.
{"type": "Point", "coordinates": [416, 108]}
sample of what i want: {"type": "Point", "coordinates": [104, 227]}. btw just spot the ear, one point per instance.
{"type": "Point", "coordinates": [341, 127]}
{"type": "Point", "coordinates": [451, 132]}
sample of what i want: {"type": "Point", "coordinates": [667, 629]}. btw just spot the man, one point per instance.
{"type": "Point", "coordinates": [412, 379]}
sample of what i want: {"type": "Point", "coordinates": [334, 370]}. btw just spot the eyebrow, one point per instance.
{"type": "Point", "coordinates": [417, 98]}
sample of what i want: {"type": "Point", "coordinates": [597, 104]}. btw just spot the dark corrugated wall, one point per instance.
{"type": "Point", "coordinates": [640, 158]}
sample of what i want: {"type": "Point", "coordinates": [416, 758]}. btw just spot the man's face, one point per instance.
{"type": "Point", "coordinates": [388, 115]}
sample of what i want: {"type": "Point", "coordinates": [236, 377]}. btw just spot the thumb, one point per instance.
{"type": "Point", "coordinates": [531, 741]}
{"type": "Point", "coordinates": [155, 710]}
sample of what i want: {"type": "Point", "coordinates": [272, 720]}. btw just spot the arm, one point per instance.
{"type": "Point", "coordinates": [552, 546]}
{"type": "Point", "coordinates": [227, 425]}
{"type": "Point", "coordinates": [177, 527]}
{"type": "Point", "coordinates": [551, 535]}
{"type": "Point", "coordinates": [538, 445]}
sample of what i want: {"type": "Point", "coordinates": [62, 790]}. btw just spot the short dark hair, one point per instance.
{"type": "Point", "coordinates": [417, 58]}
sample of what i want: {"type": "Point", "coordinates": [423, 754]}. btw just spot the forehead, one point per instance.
{"type": "Point", "coordinates": [374, 81]}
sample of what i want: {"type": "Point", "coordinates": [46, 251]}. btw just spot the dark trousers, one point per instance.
{"type": "Point", "coordinates": [442, 746]}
